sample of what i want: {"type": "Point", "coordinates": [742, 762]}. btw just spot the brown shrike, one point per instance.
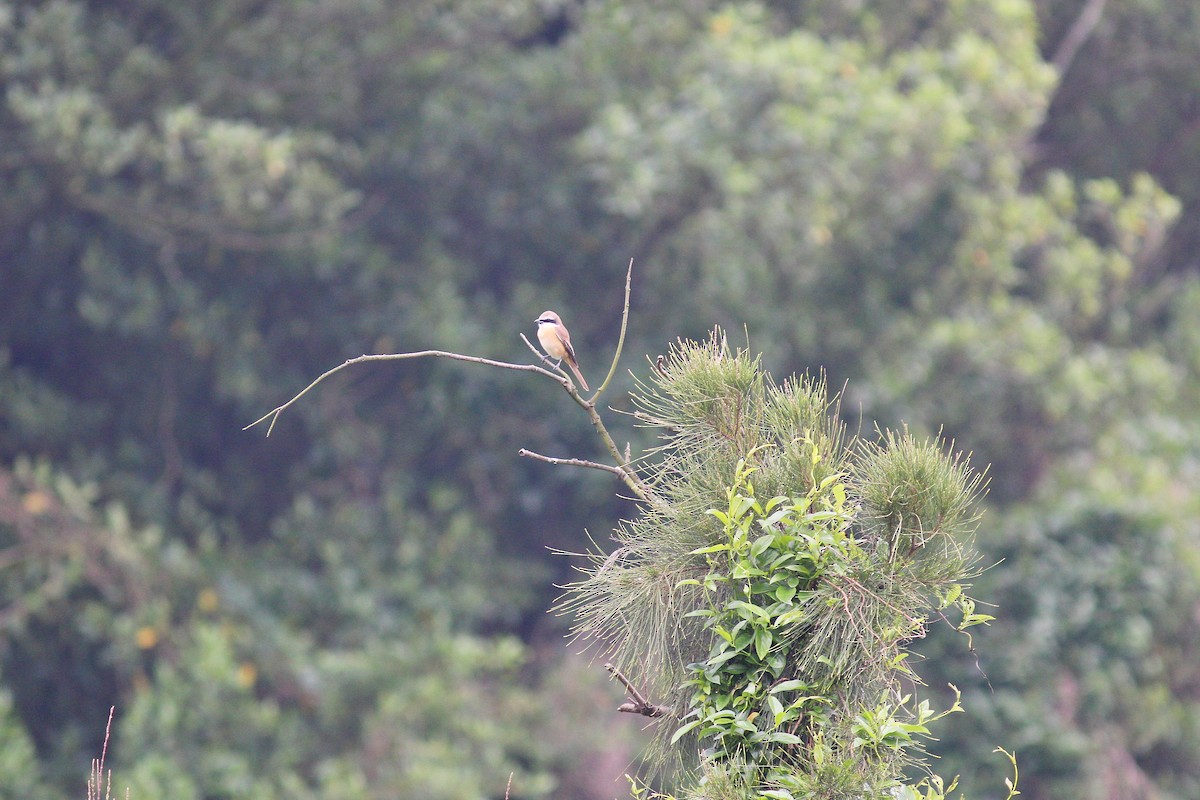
{"type": "Point", "coordinates": [556, 341]}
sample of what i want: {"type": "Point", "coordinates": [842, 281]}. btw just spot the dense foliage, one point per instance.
{"type": "Point", "coordinates": [981, 229]}
{"type": "Point", "coordinates": [779, 627]}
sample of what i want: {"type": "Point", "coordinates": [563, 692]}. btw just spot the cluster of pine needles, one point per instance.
{"type": "Point", "coordinates": [910, 519]}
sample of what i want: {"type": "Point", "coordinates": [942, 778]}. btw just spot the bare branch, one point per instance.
{"type": "Point", "coordinates": [1077, 35]}
{"type": "Point", "coordinates": [638, 704]}
{"type": "Point", "coordinates": [273, 415]}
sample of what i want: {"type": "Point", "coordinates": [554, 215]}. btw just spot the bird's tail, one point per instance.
{"type": "Point", "coordinates": [579, 375]}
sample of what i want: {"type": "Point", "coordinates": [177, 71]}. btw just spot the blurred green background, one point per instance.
{"type": "Point", "coordinates": [981, 216]}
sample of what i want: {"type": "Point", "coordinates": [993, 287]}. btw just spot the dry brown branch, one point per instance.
{"type": "Point", "coordinates": [637, 704]}
{"type": "Point", "coordinates": [274, 413]}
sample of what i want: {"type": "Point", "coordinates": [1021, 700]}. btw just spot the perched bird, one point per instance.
{"type": "Point", "coordinates": [556, 341]}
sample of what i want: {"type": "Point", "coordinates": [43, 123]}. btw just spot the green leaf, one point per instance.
{"type": "Point", "coordinates": [748, 611]}
{"type": "Point", "coordinates": [789, 686]}
{"type": "Point", "coordinates": [761, 544]}
{"type": "Point", "coordinates": [745, 725]}
{"type": "Point", "coordinates": [782, 737]}
{"type": "Point", "coordinates": [776, 708]}
{"type": "Point", "coordinates": [740, 505]}
{"type": "Point", "coordinates": [775, 501]}
{"type": "Point", "coordinates": [744, 569]}
{"type": "Point", "coordinates": [763, 642]}
{"type": "Point", "coordinates": [720, 658]}
{"type": "Point", "coordinates": [681, 732]}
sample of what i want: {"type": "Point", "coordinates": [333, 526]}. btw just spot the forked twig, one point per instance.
{"type": "Point", "coordinates": [274, 413]}
{"type": "Point", "coordinates": [637, 704]}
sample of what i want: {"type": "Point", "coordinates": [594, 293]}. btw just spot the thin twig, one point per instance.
{"type": "Point", "coordinates": [98, 789]}
{"type": "Point", "coordinates": [571, 462]}
{"type": "Point", "coordinates": [1077, 35]}
{"type": "Point", "coordinates": [638, 703]}
{"type": "Point", "coordinates": [912, 620]}
{"type": "Point", "coordinates": [273, 414]}
{"type": "Point", "coordinates": [612, 370]}
{"type": "Point", "coordinates": [970, 648]}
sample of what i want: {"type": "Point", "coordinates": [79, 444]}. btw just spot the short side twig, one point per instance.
{"type": "Point", "coordinates": [637, 704]}
{"type": "Point", "coordinates": [571, 462]}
